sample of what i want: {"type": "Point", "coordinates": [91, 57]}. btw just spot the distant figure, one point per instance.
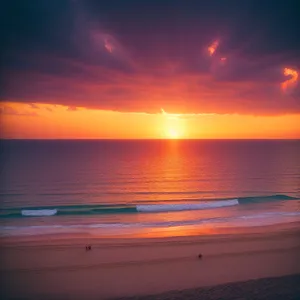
{"type": "Point", "coordinates": [89, 247]}
{"type": "Point", "coordinates": [200, 256]}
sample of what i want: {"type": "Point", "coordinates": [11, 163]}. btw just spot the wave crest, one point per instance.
{"type": "Point", "coordinates": [181, 207]}
{"type": "Point", "coordinates": [100, 209]}
{"type": "Point", "coordinates": [38, 212]}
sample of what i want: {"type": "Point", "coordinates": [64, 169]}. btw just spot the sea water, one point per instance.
{"type": "Point", "coordinates": [110, 188]}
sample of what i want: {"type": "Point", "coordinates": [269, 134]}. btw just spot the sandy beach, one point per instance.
{"type": "Point", "coordinates": [276, 288]}
{"type": "Point", "coordinates": [52, 268]}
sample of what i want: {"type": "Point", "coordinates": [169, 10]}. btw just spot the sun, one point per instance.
{"type": "Point", "coordinates": [172, 125]}
{"type": "Point", "coordinates": [172, 134]}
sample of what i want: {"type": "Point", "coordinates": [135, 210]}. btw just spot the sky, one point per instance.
{"type": "Point", "coordinates": [150, 69]}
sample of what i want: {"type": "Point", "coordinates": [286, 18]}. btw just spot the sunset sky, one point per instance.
{"type": "Point", "coordinates": [150, 69]}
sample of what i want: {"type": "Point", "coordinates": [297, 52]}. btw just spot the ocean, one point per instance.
{"type": "Point", "coordinates": [147, 188]}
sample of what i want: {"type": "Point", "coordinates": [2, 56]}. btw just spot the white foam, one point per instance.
{"type": "Point", "coordinates": [189, 206]}
{"type": "Point", "coordinates": [38, 212]}
{"type": "Point", "coordinates": [253, 220]}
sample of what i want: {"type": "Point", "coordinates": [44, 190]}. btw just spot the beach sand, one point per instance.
{"type": "Point", "coordinates": [278, 288]}
{"type": "Point", "coordinates": [61, 268]}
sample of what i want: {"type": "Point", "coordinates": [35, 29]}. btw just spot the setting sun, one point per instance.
{"type": "Point", "coordinates": [173, 125]}
{"type": "Point", "coordinates": [172, 134]}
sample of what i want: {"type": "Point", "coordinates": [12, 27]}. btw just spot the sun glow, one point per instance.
{"type": "Point", "coordinates": [173, 126]}
{"type": "Point", "coordinates": [48, 121]}
{"type": "Point", "coordinates": [172, 134]}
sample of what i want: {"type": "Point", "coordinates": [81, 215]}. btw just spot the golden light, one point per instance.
{"type": "Point", "coordinates": [48, 121]}
{"type": "Point", "coordinates": [213, 47]}
{"type": "Point", "coordinates": [172, 124]}
{"type": "Point", "coordinates": [291, 81]}
{"type": "Point", "coordinates": [172, 133]}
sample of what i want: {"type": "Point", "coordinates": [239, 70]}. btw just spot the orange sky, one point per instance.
{"type": "Point", "coordinates": [95, 70]}
{"type": "Point", "coordinates": [58, 121]}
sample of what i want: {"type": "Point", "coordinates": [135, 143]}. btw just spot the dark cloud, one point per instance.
{"type": "Point", "coordinates": [72, 108]}
{"type": "Point", "coordinates": [144, 55]}
{"type": "Point", "coordinates": [7, 110]}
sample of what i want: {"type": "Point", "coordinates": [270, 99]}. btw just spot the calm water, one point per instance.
{"type": "Point", "coordinates": [106, 187]}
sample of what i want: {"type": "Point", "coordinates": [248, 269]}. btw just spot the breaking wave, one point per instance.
{"type": "Point", "coordinates": [92, 209]}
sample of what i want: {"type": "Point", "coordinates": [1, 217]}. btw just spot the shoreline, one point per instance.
{"type": "Point", "coordinates": [114, 268]}
{"type": "Point", "coordinates": [155, 237]}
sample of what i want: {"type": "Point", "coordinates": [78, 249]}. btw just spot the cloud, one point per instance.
{"type": "Point", "coordinates": [292, 80]}
{"type": "Point", "coordinates": [7, 110]}
{"type": "Point", "coordinates": [33, 105]}
{"type": "Point", "coordinates": [99, 55]}
{"type": "Point", "coordinates": [213, 47]}
{"type": "Point", "coordinates": [72, 108]}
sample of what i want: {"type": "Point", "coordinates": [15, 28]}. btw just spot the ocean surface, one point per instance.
{"type": "Point", "coordinates": [147, 187]}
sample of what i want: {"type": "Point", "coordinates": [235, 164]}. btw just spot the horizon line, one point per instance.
{"type": "Point", "coordinates": [145, 139]}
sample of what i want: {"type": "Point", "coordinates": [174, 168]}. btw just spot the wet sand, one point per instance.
{"type": "Point", "coordinates": [52, 268]}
